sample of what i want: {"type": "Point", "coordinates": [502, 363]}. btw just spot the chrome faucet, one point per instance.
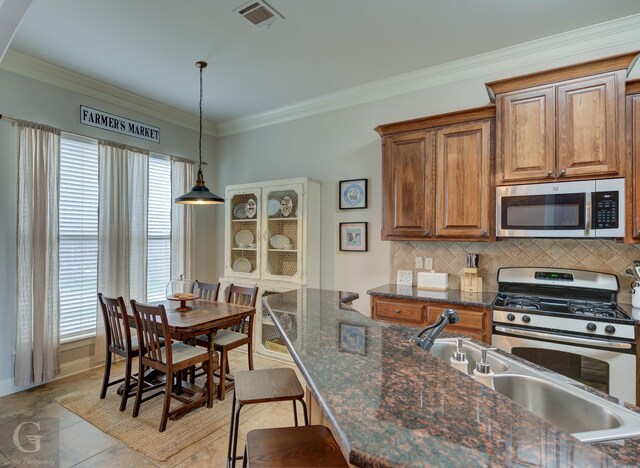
{"type": "Point", "coordinates": [426, 341]}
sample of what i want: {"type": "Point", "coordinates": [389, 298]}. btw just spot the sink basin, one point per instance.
{"type": "Point", "coordinates": [556, 404]}
{"type": "Point", "coordinates": [444, 350]}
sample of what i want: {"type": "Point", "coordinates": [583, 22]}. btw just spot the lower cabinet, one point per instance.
{"type": "Point", "coordinates": [475, 322]}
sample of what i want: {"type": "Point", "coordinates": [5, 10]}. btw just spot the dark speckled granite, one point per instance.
{"type": "Point", "coordinates": [450, 296]}
{"type": "Point", "coordinates": [392, 404]}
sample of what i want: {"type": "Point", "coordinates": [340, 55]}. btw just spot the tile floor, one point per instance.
{"type": "Point", "coordinates": [70, 441]}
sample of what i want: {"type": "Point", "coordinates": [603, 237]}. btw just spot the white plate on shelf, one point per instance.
{"type": "Point", "coordinates": [273, 207]}
{"type": "Point", "coordinates": [280, 242]}
{"type": "Point", "coordinates": [240, 211]}
{"type": "Point", "coordinates": [244, 237]}
{"type": "Point", "coordinates": [242, 265]}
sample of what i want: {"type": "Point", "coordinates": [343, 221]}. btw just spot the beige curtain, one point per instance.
{"type": "Point", "coordinates": [38, 295]}
{"type": "Point", "coordinates": [183, 176]}
{"type": "Point", "coordinates": [122, 226]}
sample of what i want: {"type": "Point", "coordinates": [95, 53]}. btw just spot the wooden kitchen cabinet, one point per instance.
{"type": "Point", "coordinates": [437, 177]}
{"type": "Point", "coordinates": [463, 180]}
{"type": "Point", "coordinates": [633, 162]}
{"type": "Point", "coordinates": [562, 124]}
{"type": "Point", "coordinates": [475, 322]}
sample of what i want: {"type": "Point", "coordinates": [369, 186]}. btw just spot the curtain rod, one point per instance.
{"type": "Point", "coordinates": [178, 158]}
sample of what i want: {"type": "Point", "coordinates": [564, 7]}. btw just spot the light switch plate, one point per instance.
{"type": "Point", "coordinates": [418, 263]}
{"type": "Point", "coordinates": [428, 263]}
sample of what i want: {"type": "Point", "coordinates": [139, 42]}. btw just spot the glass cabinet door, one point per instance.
{"type": "Point", "coordinates": [243, 233]}
{"type": "Point", "coordinates": [282, 212]}
{"type": "Point", "coordinates": [287, 310]}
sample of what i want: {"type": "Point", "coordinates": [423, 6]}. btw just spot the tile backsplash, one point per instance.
{"type": "Point", "coordinates": [450, 257]}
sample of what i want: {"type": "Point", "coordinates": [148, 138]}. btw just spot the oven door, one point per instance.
{"type": "Point", "coordinates": [545, 210]}
{"type": "Point", "coordinates": [611, 370]}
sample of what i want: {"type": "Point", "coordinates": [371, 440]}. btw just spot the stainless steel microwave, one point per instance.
{"type": "Point", "coordinates": [586, 208]}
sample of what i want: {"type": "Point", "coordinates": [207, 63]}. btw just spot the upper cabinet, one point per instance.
{"type": "Point", "coordinates": [436, 175]}
{"type": "Point", "coordinates": [633, 163]}
{"type": "Point", "coordinates": [567, 123]}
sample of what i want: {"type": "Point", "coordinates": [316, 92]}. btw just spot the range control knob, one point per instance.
{"type": "Point", "coordinates": [526, 319]}
{"type": "Point", "coordinates": [591, 326]}
{"type": "Point", "coordinates": [610, 329]}
{"type": "Point", "coordinates": [511, 317]}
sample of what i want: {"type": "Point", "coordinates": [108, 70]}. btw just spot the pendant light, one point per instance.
{"type": "Point", "coordinates": [200, 194]}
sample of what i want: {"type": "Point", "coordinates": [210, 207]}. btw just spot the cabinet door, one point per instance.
{"type": "Point", "coordinates": [526, 135]}
{"type": "Point", "coordinates": [463, 185]}
{"type": "Point", "coordinates": [590, 125]}
{"type": "Point", "coordinates": [634, 104]}
{"type": "Point", "coordinates": [283, 240]}
{"type": "Point", "coordinates": [408, 185]}
{"type": "Point", "coordinates": [243, 214]}
{"type": "Point", "coordinates": [474, 321]}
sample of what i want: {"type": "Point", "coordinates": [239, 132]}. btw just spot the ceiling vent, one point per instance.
{"type": "Point", "coordinates": [259, 13]}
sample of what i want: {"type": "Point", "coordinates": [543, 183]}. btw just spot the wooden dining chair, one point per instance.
{"type": "Point", "coordinates": [152, 325]}
{"type": "Point", "coordinates": [119, 342]}
{"type": "Point", "coordinates": [207, 291]}
{"type": "Point", "coordinates": [234, 336]}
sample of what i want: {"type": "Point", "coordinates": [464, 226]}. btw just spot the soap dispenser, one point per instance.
{"type": "Point", "coordinates": [483, 372]}
{"type": "Point", "coordinates": [459, 358]}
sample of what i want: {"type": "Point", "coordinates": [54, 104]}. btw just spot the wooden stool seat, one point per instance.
{"type": "Point", "coordinates": [293, 447]}
{"type": "Point", "coordinates": [267, 385]}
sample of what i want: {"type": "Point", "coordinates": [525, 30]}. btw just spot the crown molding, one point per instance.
{"type": "Point", "coordinates": [621, 34]}
{"type": "Point", "coordinates": [40, 70]}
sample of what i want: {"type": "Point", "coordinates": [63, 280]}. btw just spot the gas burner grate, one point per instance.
{"type": "Point", "coordinates": [595, 309]}
{"type": "Point", "coordinates": [522, 302]}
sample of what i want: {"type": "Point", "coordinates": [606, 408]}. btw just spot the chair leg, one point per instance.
{"type": "Point", "coordinates": [105, 378]}
{"type": "Point", "coordinates": [304, 411]}
{"type": "Point", "coordinates": [210, 381]}
{"type": "Point", "coordinates": [168, 388]}
{"type": "Point", "coordinates": [235, 436]}
{"type": "Point", "coordinates": [127, 384]}
{"type": "Point", "coordinates": [295, 413]}
{"type": "Point", "coordinates": [250, 353]}
{"type": "Point", "coordinates": [223, 376]}
{"type": "Point", "coordinates": [136, 405]}
{"type": "Point", "coordinates": [231, 427]}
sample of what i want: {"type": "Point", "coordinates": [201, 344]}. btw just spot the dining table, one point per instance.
{"type": "Point", "coordinates": [204, 318]}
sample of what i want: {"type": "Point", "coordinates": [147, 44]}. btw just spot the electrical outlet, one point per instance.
{"type": "Point", "coordinates": [418, 263]}
{"type": "Point", "coordinates": [428, 263]}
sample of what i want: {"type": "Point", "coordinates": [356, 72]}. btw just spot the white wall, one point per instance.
{"type": "Point", "coordinates": [342, 144]}
{"type": "Point", "coordinates": [29, 99]}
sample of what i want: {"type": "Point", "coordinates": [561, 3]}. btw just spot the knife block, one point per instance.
{"type": "Point", "coordinates": [470, 281]}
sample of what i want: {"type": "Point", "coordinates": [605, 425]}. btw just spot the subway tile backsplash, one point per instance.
{"type": "Point", "coordinates": [450, 257]}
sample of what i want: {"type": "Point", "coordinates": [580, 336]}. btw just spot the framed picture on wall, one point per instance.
{"type": "Point", "coordinates": [352, 194]}
{"type": "Point", "coordinates": [353, 237]}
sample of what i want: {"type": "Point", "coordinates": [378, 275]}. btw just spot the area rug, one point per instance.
{"type": "Point", "coordinates": [141, 433]}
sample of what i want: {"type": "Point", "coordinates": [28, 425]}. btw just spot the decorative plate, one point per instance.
{"type": "Point", "coordinates": [242, 265]}
{"type": "Point", "coordinates": [240, 211]}
{"type": "Point", "coordinates": [280, 242]}
{"type": "Point", "coordinates": [286, 206]}
{"type": "Point", "coordinates": [250, 208]}
{"type": "Point", "coordinates": [244, 237]}
{"type": "Point", "coordinates": [353, 195]}
{"type": "Point", "coordinates": [273, 206]}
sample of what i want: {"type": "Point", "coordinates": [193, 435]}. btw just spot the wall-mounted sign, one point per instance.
{"type": "Point", "coordinates": [113, 123]}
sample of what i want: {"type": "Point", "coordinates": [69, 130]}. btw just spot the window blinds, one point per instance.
{"type": "Point", "coordinates": [78, 217]}
{"type": "Point", "coordinates": [159, 227]}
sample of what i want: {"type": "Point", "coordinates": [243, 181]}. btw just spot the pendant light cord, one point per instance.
{"type": "Point", "coordinates": [200, 136]}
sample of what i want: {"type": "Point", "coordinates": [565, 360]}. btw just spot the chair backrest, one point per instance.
{"type": "Point", "coordinates": [116, 324]}
{"type": "Point", "coordinates": [208, 291]}
{"type": "Point", "coordinates": [152, 325]}
{"type": "Point", "coordinates": [241, 295]}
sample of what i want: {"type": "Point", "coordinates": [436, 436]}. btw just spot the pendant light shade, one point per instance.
{"type": "Point", "coordinates": [200, 194]}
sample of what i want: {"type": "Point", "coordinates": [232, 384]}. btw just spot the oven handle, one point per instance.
{"type": "Point", "coordinates": [566, 339]}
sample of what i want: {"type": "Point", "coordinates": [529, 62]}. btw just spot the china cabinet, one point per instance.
{"type": "Point", "coordinates": [272, 240]}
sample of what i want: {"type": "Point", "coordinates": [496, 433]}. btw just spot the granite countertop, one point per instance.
{"type": "Point", "coordinates": [390, 403]}
{"type": "Point", "coordinates": [450, 296]}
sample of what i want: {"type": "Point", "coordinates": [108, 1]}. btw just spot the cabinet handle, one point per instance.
{"type": "Point", "coordinates": [397, 311]}
{"type": "Point", "coordinates": [427, 233]}
{"type": "Point", "coordinates": [550, 174]}
{"type": "Point", "coordinates": [562, 172]}
{"type": "Point", "coordinates": [485, 234]}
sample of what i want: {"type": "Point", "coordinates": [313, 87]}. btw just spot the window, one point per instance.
{"type": "Point", "coordinates": [159, 228]}
{"type": "Point", "coordinates": [78, 213]}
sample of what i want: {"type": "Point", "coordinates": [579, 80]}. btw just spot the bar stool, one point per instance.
{"type": "Point", "coordinates": [292, 447]}
{"type": "Point", "coordinates": [262, 386]}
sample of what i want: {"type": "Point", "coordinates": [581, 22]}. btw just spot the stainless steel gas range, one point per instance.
{"type": "Point", "coordinates": [568, 321]}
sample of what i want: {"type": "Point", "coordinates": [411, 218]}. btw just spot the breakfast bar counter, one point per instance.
{"type": "Point", "coordinates": [390, 403]}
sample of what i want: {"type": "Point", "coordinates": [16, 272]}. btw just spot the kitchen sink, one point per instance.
{"type": "Point", "coordinates": [444, 350]}
{"type": "Point", "coordinates": [586, 416]}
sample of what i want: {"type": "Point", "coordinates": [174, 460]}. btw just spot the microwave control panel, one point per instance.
{"type": "Point", "coordinates": [605, 210]}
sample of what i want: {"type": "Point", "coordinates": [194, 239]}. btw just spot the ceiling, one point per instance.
{"type": "Point", "coordinates": [149, 47]}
